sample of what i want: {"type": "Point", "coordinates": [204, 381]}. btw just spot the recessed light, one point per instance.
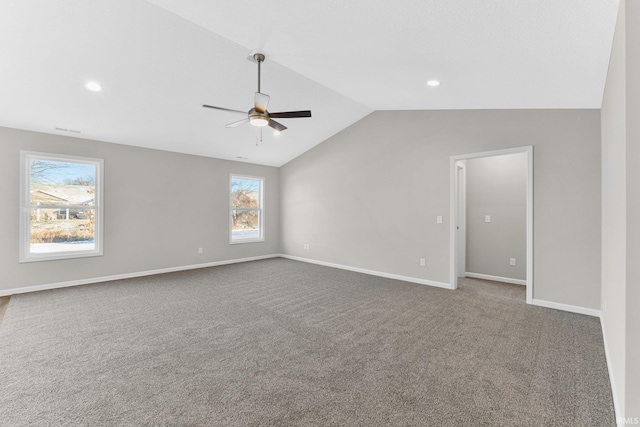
{"type": "Point", "coordinates": [433, 83]}
{"type": "Point", "coordinates": [276, 132]}
{"type": "Point", "coordinates": [93, 86]}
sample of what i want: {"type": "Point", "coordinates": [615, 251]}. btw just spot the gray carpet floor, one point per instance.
{"type": "Point", "coordinates": [4, 303]}
{"type": "Point", "coordinates": [283, 343]}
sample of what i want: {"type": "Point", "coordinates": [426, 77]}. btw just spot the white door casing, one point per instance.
{"type": "Point", "coordinates": [455, 220]}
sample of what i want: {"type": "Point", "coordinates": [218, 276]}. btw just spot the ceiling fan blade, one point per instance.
{"type": "Point", "coordinates": [277, 126]}
{"type": "Point", "coordinates": [261, 102]}
{"type": "Point", "coordinates": [238, 123]}
{"type": "Point", "coordinates": [224, 109]}
{"type": "Point", "coordinates": [291, 114]}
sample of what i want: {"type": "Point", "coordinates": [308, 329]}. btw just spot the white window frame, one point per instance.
{"type": "Point", "coordinates": [25, 207]}
{"type": "Point", "coordinates": [260, 209]}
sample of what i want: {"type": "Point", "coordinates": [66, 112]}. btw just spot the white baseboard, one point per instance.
{"type": "Point", "coordinates": [566, 307]}
{"type": "Point", "coordinates": [371, 272]}
{"type": "Point", "coordinates": [541, 303]}
{"type": "Point", "coordinates": [616, 402]}
{"type": "Point", "coordinates": [5, 292]}
{"type": "Point", "coordinates": [496, 278]}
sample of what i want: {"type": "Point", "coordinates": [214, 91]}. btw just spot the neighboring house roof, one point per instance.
{"type": "Point", "coordinates": [72, 194]}
{"type": "Point", "coordinates": [39, 196]}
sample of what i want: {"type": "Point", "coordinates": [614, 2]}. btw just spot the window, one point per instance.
{"type": "Point", "coordinates": [60, 207]}
{"type": "Point", "coordinates": [247, 217]}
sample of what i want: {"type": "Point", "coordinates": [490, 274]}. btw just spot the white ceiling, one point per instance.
{"type": "Point", "coordinates": [160, 60]}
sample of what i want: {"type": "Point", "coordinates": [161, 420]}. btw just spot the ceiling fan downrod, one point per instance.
{"type": "Point", "coordinates": [259, 59]}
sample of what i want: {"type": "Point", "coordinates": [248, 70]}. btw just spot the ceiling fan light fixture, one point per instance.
{"type": "Point", "coordinates": [258, 121]}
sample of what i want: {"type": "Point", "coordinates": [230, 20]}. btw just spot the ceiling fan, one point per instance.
{"type": "Point", "coordinates": [259, 116]}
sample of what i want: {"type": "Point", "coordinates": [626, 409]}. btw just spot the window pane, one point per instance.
{"type": "Point", "coordinates": [61, 206]}
{"type": "Point", "coordinates": [245, 225]}
{"type": "Point", "coordinates": [60, 183]}
{"type": "Point", "coordinates": [245, 193]}
{"type": "Point", "coordinates": [61, 230]}
{"type": "Point", "coordinates": [246, 209]}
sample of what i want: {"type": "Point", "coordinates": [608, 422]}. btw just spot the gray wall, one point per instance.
{"type": "Point", "coordinates": [621, 211]}
{"type": "Point", "coordinates": [633, 209]}
{"type": "Point", "coordinates": [369, 196]}
{"type": "Point", "coordinates": [497, 186]}
{"type": "Point", "coordinates": [614, 200]}
{"type": "Point", "coordinates": [187, 197]}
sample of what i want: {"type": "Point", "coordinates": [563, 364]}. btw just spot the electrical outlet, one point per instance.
{"type": "Point", "coordinates": [512, 261]}
{"type": "Point", "coordinates": [199, 250]}
{"type": "Point", "coordinates": [487, 218]}
{"type": "Point", "coordinates": [439, 219]}
{"type": "Point", "coordinates": [306, 246]}
{"type": "Point", "coordinates": [423, 262]}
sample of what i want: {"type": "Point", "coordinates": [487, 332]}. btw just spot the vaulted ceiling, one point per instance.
{"type": "Point", "coordinates": [158, 61]}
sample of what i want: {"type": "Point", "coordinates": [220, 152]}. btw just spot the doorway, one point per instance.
{"type": "Point", "coordinates": [459, 221]}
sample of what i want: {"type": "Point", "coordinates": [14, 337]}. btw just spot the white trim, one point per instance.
{"type": "Point", "coordinates": [453, 223]}
{"type": "Point", "coordinates": [496, 278]}
{"type": "Point", "coordinates": [370, 272]}
{"type": "Point", "coordinates": [461, 214]}
{"type": "Point", "coordinates": [616, 404]}
{"type": "Point", "coordinates": [567, 307]}
{"type": "Point", "coordinates": [529, 272]}
{"type": "Point", "coordinates": [501, 152]}
{"type": "Point", "coordinates": [452, 211]}
{"type": "Point", "coordinates": [5, 292]}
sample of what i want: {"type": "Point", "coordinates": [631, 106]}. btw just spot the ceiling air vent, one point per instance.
{"type": "Point", "coordinates": [66, 130]}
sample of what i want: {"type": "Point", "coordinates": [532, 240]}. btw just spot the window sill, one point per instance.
{"type": "Point", "coordinates": [58, 256]}
{"type": "Point", "coordinates": [239, 242]}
